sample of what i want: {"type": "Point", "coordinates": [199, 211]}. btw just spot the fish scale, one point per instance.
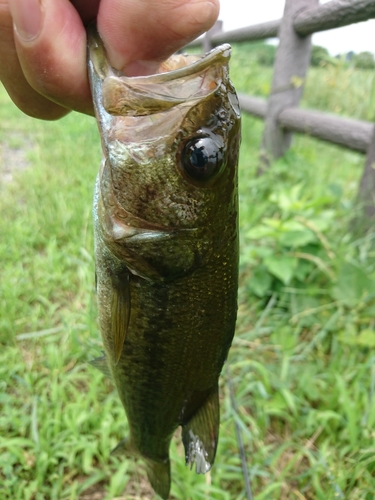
{"type": "Point", "coordinates": [166, 249]}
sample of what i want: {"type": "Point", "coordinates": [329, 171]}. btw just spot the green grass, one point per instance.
{"type": "Point", "coordinates": [302, 360]}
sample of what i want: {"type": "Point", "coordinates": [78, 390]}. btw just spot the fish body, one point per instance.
{"type": "Point", "coordinates": [166, 248]}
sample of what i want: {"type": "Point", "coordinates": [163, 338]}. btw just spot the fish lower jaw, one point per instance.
{"type": "Point", "coordinates": [115, 230]}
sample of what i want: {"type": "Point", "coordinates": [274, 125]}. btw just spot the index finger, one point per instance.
{"type": "Point", "coordinates": [51, 46]}
{"type": "Point", "coordinates": [11, 74]}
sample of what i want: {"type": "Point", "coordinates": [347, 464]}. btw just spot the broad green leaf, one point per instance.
{"type": "Point", "coordinates": [274, 223]}
{"type": "Point", "coordinates": [303, 268]}
{"type": "Point", "coordinates": [366, 338]}
{"type": "Point", "coordinates": [293, 225]}
{"type": "Point", "coordinates": [259, 232]}
{"type": "Point", "coordinates": [251, 254]}
{"type": "Point", "coordinates": [324, 220]}
{"type": "Point", "coordinates": [297, 238]}
{"type": "Point", "coordinates": [353, 284]}
{"type": "Point", "coordinates": [288, 199]}
{"type": "Point", "coordinates": [260, 281]}
{"type": "Point", "coordinates": [282, 267]}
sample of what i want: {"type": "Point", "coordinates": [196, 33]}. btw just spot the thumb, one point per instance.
{"type": "Point", "coordinates": [138, 34]}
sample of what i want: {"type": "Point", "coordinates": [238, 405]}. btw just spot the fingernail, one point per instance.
{"type": "Point", "coordinates": [141, 68]}
{"type": "Point", "coordinates": [27, 18]}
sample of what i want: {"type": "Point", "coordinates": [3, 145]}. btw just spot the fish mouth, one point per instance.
{"type": "Point", "coordinates": [181, 79]}
{"type": "Point", "coordinates": [117, 231]}
{"type": "Point", "coordinates": [151, 252]}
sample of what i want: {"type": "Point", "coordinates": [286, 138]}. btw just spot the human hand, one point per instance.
{"type": "Point", "coordinates": [43, 59]}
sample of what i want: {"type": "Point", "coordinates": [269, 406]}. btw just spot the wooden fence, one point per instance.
{"type": "Point", "coordinates": [280, 111]}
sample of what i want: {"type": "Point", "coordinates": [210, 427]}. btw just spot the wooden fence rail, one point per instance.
{"type": "Point", "coordinates": [334, 14]}
{"type": "Point", "coordinates": [352, 134]}
{"type": "Point", "coordinates": [280, 111]}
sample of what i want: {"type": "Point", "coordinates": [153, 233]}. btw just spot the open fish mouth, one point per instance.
{"type": "Point", "coordinates": [182, 79]}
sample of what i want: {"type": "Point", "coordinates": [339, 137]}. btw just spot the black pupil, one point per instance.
{"type": "Point", "coordinates": [202, 158]}
{"type": "Point", "coordinates": [199, 157]}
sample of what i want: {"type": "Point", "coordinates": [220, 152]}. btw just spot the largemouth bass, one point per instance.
{"type": "Point", "coordinates": [166, 248]}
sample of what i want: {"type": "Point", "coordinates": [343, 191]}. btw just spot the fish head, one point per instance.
{"type": "Point", "coordinates": [170, 140]}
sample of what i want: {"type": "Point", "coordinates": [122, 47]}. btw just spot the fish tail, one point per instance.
{"type": "Point", "coordinates": [158, 472]}
{"type": "Point", "coordinates": [159, 475]}
{"type": "Point", "coordinates": [201, 433]}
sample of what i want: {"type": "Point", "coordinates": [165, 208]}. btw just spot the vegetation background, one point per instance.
{"type": "Point", "coordinates": [302, 362]}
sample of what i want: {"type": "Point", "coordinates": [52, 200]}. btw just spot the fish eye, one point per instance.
{"type": "Point", "coordinates": [202, 158]}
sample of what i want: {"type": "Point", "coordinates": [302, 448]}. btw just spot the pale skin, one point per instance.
{"type": "Point", "coordinates": [43, 45]}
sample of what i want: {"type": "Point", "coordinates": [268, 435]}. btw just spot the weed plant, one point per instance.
{"type": "Point", "coordinates": [302, 362]}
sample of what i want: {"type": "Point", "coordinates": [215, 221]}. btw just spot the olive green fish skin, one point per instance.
{"type": "Point", "coordinates": [166, 248]}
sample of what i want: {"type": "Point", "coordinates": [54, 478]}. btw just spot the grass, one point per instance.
{"type": "Point", "coordinates": [302, 361]}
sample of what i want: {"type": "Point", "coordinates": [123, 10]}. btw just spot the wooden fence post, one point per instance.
{"type": "Point", "coordinates": [216, 28]}
{"type": "Point", "coordinates": [291, 64]}
{"type": "Point", "coordinates": [365, 202]}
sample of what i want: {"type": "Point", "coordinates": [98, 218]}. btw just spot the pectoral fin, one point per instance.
{"type": "Point", "coordinates": [102, 365]}
{"type": "Point", "coordinates": [124, 448]}
{"type": "Point", "coordinates": [120, 315]}
{"type": "Point", "coordinates": [200, 434]}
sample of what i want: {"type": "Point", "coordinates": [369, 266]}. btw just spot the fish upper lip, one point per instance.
{"type": "Point", "coordinates": [218, 55]}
